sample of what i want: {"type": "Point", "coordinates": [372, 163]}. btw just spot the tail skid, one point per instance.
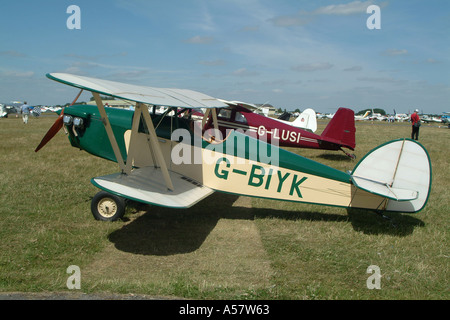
{"type": "Point", "coordinates": [350, 155]}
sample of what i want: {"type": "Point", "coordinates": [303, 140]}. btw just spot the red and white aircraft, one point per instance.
{"type": "Point", "coordinates": [338, 134]}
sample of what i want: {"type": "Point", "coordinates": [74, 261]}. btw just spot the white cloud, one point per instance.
{"type": "Point", "coordinates": [395, 52]}
{"type": "Point", "coordinates": [199, 40]}
{"type": "Point", "coordinates": [432, 61]}
{"type": "Point", "coordinates": [243, 72]}
{"type": "Point", "coordinates": [309, 67]}
{"type": "Point", "coordinates": [304, 17]}
{"type": "Point", "coordinates": [12, 53]}
{"type": "Point", "coordinates": [354, 68]}
{"type": "Point", "coordinates": [291, 20]}
{"type": "Point", "coordinates": [212, 63]}
{"type": "Point", "coordinates": [383, 80]}
{"type": "Point", "coordinates": [354, 7]}
{"type": "Point", "coordinates": [16, 74]}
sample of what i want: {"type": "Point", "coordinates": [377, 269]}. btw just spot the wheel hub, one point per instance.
{"type": "Point", "coordinates": [107, 207]}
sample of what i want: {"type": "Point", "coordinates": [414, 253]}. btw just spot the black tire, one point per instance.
{"type": "Point", "coordinates": [107, 207]}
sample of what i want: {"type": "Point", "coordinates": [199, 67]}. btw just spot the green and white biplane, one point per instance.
{"type": "Point", "coordinates": [173, 160]}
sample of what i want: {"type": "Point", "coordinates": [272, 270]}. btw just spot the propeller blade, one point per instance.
{"type": "Point", "coordinates": [59, 123]}
{"type": "Point", "coordinates": [51, 132]}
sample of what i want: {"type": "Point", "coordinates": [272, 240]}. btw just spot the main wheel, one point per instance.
{"type": "Point", "coordinates": [107, 207]}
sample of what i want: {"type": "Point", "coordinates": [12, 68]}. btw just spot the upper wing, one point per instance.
{"type": "Point", "coordinates": [155, 96]}
{"type": "Point", "coordinates": [246, 105]}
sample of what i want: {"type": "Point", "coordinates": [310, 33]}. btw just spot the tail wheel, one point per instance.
{"type": "Point", "coordinates": [107, 207]}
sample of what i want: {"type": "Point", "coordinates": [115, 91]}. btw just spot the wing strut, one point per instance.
{"type": "Point", "coordinates": [153, 142]}
{"type": "Point", "coordinates": [134, 133]}
{"type": "Point", "coordinates": [109, 131]}
{"type": "Point", "coordinates": [213, 113]}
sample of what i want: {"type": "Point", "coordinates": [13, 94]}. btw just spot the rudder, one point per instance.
{"type": "Point", "coordinates": [342, 128]}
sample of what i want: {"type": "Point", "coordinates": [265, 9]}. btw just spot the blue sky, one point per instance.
{"type": "Point", "coordinates": [289, 53]}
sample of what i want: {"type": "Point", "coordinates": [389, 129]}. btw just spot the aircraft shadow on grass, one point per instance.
{"type": "Point", "coordinates": [163, 231]}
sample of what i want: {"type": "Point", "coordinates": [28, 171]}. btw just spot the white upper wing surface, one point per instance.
{"type": "Point", "coordinates": [149, 95]}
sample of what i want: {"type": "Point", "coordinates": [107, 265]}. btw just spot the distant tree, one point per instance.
{"type": "Point", "coordinates": [383, 113]}
{"type": "Point", "coordinates": [362, 112]}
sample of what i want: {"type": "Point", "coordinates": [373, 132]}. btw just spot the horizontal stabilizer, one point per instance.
{"type": "Point", "coordinates": [147, 185]}
{"type": "Point", "coordinates": [398, 170]}
{"type": "Point", "coordinates": [384, 190]}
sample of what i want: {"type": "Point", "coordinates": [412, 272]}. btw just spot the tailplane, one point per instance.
{"type": "Point", "coordinates": [341, 128]}
{"type": "Point", "coordinates": [399, 171]}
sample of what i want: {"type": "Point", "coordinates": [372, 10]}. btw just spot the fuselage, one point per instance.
{"type": "Point", "coordinates": [266, 129]}
{"type": "Point", "coordinates": [239, 164]}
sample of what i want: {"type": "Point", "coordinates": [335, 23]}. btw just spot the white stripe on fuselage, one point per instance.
{"type": "Point", "coordinates": [286, 135]}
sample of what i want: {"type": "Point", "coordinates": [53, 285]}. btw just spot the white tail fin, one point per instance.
{"type": "Point", "coordinates": [306, 120]}
{"type": "Point", "coordinates": [399, 170]}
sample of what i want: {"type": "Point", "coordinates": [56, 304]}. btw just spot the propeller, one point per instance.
{"type": "Point", "coordinates": [55, 127]}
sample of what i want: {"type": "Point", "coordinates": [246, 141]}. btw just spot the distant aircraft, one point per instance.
{"type": "Point", "coordinates": [377, 116]}
{"type": "Point", "coordinates": [429, 119]}
{"type": "Point", "coordinates": [10, 108]}
{"type": "Point", "coordinates": [401, 116]}
{"type": "Point", "coordinates": [363, 117]}
{"type": "Point", "coordinates": [446, 118]}
{"type": "Point", "coordinates": [325, 115]}
{"type": "Point", "coordinates": [339, 133]}
{"type": "Point", "coordinates": [3, 111]}
{"type": "Point", "coordinates": [147, 149]}
{"type": "Point", "coordinates": [306, 120]}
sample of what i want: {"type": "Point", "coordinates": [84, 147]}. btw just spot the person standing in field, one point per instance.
{"type": "Point", "coordinates": [415, 120]}
{"type": "Point", "coordinates": [25, 109]}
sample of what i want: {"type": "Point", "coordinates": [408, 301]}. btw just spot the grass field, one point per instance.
{"type": "Point", "coordinates": [225, 247]}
